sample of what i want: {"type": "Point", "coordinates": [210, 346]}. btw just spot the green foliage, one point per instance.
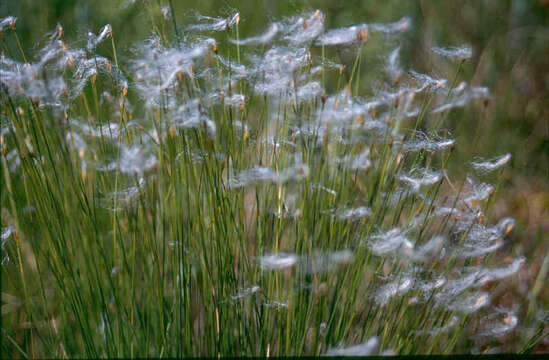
{"type": "Point", "coordinates": [159, 204]}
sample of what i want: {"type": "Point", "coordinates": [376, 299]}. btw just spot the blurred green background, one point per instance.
{"type": "Point", "coordinates": [510, 41]}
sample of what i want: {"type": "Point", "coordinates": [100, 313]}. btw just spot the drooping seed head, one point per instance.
{"type": "Point", "coordinates": [362, 35]}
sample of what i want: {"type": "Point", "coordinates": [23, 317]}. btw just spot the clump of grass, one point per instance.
{"type": "Point", "coordinates": [212, 195]}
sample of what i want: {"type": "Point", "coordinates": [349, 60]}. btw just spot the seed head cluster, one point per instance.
{"type": "Point", "coordinates": [255, 196]}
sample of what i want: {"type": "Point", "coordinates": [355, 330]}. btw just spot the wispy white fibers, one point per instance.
{"type": "Point", "coordinates": [134, 160]}
{"type": "Point", "coordinates": [349, 213]}
{"type": "Point", "coordinates": [74, 140]}
{"type": "Point", "coordinates": [393, 64]}
{"type": "Point", "coordinates": [158, 67]}
{"type": "Point", "coordinates": [316, 262]}
{"type": "Point", "coordinates": [14, 160]}
{"type": "Point", "coordinates": [124, 196]}
{"type": "Point", "coordinates": [426, 82]}
{"type": "Point", "coordinates": [264, 38]}
{"type": "Point", "coordinates": [323, 261]}
{"type": "Point", "coordinates": [485, 275]}
{"type": "Point", "coordinates": [473, 278]}
{"type": "Point", "coordinates": [323, 188]}
{"type": "Point", "coordinates": [342, 36]}
{"type": "Point", "coordinates": [419, 178]}
{"type": "Point", "coordinates": [94, 40]}
{"type": "Point", "coordinates": [245, 292]}
{"type": "Point", "coordinates": [264, 174]}
{"type": "Point", "coordinates": [238, 71]}
{"type": "Point", "coordinates": [500, 323]}
{"type": "Point", "coordinates": [278, 261]}
{"type": "Point", "coordinates": [480, 239]}
{"type": "Point", "coordinates": [357, 33]}
{"type": "Point", "coordinates": [6, 233]}
{"type": "Point", "coordinates": [477, 192]}
{"type": "Point", "coordinates": [22, 78]}
{"type": "Point", "coordinates": [342, 112]}
{"type": "Point", "coordinates": [425, 142]}
{"type": "Point", "coordinates": [305, 28]}
{"type": "Point", "coordinates": [191, 115]}
{"type": "Point", "coordinates": [309, 91]}
{"type": "Point", "coordinates": [370, 347]}
{"type": "Point", "coordinates": [402, 25]}
{"type": "Point", "coordinates": [274, 304]}
{"type": "Point", "coordinates": [430, 285]}
{"type": "Point", "coordinates": [277, 69]}
{"type": "Point", "coordinates": [359, 161]}
{"type": "Point", "coordinates": [390, 241]}
{"type": "Point", "coordinates": [461, 96]}
{"type": "Point", "coordinates": [111, 131]}
{"type": "Point", "coordinates": [208, 23]}
{"type": "Point", "coordinates": [290, 207]}
{"type": "Point", "coordinates": [487, 166]}
{"type": "Point", "coordinates": [397, 287]}
{"type": "Point", "coordinates": [470, 303]}
{"type": "Point", "coordinates": [46, 80]}
{"type": "Point", "coordinates": [7, 22]}
{"type": "Point", "coordinates": [463, 52]}
{"type": "Point", "coordinates": [452, 323]}
{"type": "Point", "coordinates": [85, 70]}
{"type": "Point", "coordinates": [429, 249]}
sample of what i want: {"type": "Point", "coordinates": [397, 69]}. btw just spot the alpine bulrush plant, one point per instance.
{"type": "Point", "coordinates": [217, 195]}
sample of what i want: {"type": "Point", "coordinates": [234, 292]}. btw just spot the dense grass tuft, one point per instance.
{"type": "Point", "coordinates": [218, 195]}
